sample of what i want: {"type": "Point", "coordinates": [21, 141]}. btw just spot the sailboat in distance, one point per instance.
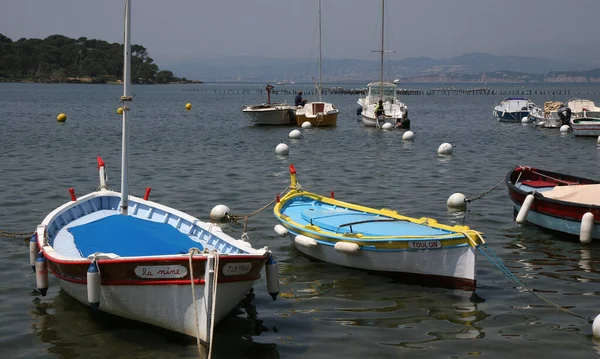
{"type": "Point", "coordinates": [318, 113]}
{"type": "Point", "coordinates": [381, 91]}
{"type": "Point", "coordinates": [142, 260]}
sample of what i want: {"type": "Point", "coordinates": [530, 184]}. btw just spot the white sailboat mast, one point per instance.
{"type": "Point", "coordinates": [126, 98]}
{"type": "Point", "coordinates": [320, 53]}
{"type": "Point", "coordinates": [381, 54]}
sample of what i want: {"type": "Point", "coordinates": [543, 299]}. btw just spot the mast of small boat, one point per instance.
{"type": "Point", "coordinates": [126, 98]}
{"type": "Point", "coordinates": [381, 53]}
{"type": "Point", "coordinates": [320, 53]}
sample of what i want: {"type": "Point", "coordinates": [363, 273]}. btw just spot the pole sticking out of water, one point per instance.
{"type": "Point", "coordinates": [124, 98]}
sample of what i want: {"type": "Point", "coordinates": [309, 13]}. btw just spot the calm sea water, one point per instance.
{"type": "Point", "coordinates": [194, 160]}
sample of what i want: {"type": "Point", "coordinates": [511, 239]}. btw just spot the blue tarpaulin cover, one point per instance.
{"type": "Point", "coordinates": [129, 236]}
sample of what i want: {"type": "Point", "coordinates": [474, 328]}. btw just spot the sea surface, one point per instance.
{"type": "Point", "coordinates": [194, 160]}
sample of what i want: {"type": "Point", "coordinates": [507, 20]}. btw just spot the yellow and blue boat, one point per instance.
{"type": "Point", "coordinates": [414, 250]}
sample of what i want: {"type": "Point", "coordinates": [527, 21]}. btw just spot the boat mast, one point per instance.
{"type": "Point", "coordinates": [381, 54]}
{"type": "Point", "coordinates": [320, 53]}
{"type": "Point", "coordinates": [126, 98]}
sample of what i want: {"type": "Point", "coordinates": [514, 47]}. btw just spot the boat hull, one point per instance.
{"type": "Point", "coordinates": [585, 126]}
{"type": "Point", "coordinates": [549, 213]}
{"type": "Point", "coordinates": [508, 116]}
{"type": "Point", "coordinates": [319, 120]}
{"type": "Point", "coordinates": [274, 116]}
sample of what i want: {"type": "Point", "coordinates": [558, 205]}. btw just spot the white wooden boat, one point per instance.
{"type": "Point", "coordinates": [269, 113]}
{"type": "Point", "coordinates": [585, 117]}
{"type": "Point", "coordinates": [513, 109]}
{"type": "Point", "coordinates": [394, 110]}
{"type": "Point", "coordinates": [142, 260]}
{"type": "Point", "coordinates": [553, 115]}
{"type": "Point", "coordinates": [318, 113]}
{"type": "Point", "coordinates": [415, 250]}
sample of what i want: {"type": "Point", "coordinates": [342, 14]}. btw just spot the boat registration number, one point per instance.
{"type": "Point", "coordinates": [237, 268]}
{"type": "Point", "coordinates": [425, 244]}
{"type": "Point", "coordinates": [175, 271]}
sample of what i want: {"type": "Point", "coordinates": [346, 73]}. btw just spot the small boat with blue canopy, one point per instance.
{"type": "Point", "coordinates": [514, 109]}
{"type": "Point", "coordinates": [414, 250]}
{"type": "Point", "coordinates": [141, 260]}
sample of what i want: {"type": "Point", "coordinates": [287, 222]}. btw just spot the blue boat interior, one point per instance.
{"type": "Point", "coordinates": [97, 226]}
{"type": "Point", "coordinates": [340, 220]}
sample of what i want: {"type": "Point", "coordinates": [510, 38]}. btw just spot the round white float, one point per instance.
{"type": "Point", "coordinates": [457, 201]}
{"type": "Point", "coordinates": [596, 327]}
{"type": "Point", "coordinates": [445, 149]}
{"type": "Point", "coordinates": [282, 149]}
{"type": "Point", "coordinates": [295, 134]}
{"type": "Point", "coordinates": [408, 136]}
{"type": "Point", "coordinates": [306, 124]}
{"type": "Point", "coordinates": [565, 128]}
{"type": "Point", "coordinates": [387, 126]}
{"type": "Point", "coordinates": [525, 119]}
{"type": "Point", "coordinates": [219, 212]}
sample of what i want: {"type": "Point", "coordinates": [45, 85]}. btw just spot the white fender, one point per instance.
{"type": "Point", "coordinates": [281, 230]}
{"type": "Point", "coordinates": [596, 327]}
{"type": "Point", "coordinates": [587, 226]}
{"type": "Point", "coordinates": [272, 277]}
{"type": "Point", "coordinates": [525, 209]}
{"type": "Point", "coordinates": [93, 285]}
{"type": "Point", "coordinates": [346, 247]}
{"type": "Point", "coordinates": [33, 251]}
{"type": "Point", "coordinates": [305, 241]}
{"type": "Point", "coordinates": [41, 273]}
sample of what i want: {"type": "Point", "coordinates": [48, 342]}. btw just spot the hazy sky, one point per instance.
{"type": "Point", "coordinates": [174, 30]}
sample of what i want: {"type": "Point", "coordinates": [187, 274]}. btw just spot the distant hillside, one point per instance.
{"type": "Point", "coordinates": [349, 70]}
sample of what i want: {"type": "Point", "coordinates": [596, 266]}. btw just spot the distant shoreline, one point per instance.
{"type": "Point", "coordinates": [89, 81]}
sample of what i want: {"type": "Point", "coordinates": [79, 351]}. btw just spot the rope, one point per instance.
{"type": "Point", "coordinates": [506, 271]}
{"type": "Point", "coordinates": [191, 252]}
{"type": "Point", "coordinates": [236, 217]}
{"type": "Point", "coordinates": [214, 301]}
{"type": "Point", "coordinates": [483, 194]}
{"type": "Point", "coordinates": [23, 235]}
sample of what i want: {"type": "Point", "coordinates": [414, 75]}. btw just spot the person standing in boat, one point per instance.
{"type": "Point", "coordinates": [379, 111]}
{"type": "Point", "coordinates": [299, 101]}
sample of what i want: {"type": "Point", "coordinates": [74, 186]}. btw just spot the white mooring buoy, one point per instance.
{"type": "Point", "coordinates": [598, 140]}
{"type": "Point", "coordinates": [219, 212]}
{"type": "Point", "coordinates": [596, 327]}
{"type": "Point", "coordinates": [282, 149]}
{"type": "Point", "coordinates": [457, 201]}
{"type": "Point", "coordinates": [445, 149]}
{"type": "Point", "coordinates": [408, 136]}
{"type": "Point", "coordinates": [41, 273]}
{"type": "Point", "coordinates": [93, 285]}
{"type": "Point", "coordinates": [387, 126]}
{"type": "Point", "coordinates": [524, 209]}
{"type": "Point", "coordinates": [525, 119]}
{"type": "Point", "coordinates": [272, 277]}
{"type": "Point", "coordinates": [307, 124]}
{"type": "Point", "coordinates": [295, 134]}
{"type": "Point", "coordinates": [281, 230]}
{"type": "Point", "coordinates": [565, 128]}
{"type": "Point", "coordinates": [587, 227]}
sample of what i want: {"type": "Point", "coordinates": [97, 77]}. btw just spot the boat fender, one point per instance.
{"type": "Point", "coordinates": [33, 251]}
{"type": "Point", "coordinates": [281, 230]}
{"type": "Point", "coordinates": [524, 209]}
{"type": "Point", "coordinates": [272, 277]}
{"type": "Point", "coordinates": [305, 241]}
{"type": "Point", "coordinates": [41, 273]}
{"type": "Point", "coordinates": [93, 285]}
{"type": "Point", "coordinates": [346, 247]}
{"type": "Point", "coordinates": [587, 227]}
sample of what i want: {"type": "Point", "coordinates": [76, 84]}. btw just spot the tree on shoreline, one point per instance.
{"type": "Point", "coordinates": [58, 58]}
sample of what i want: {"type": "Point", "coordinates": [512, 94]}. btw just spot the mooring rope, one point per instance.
{"type": "Point", "coordinates": [191, 252]}
{"type": "Point", "coordinates": [483, 194]}
{"type": "Point", "coordinates": [236, 217]}
{"type": "Point", "coordinates": [506, 271]}
{"type": "Point", "coordinates": [214, 301]}
{"type": "Point", "coordinates": [21, 235]}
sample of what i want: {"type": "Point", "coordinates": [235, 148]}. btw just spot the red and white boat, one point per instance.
{"type": "Point", "coordinates": [556, 201]}
{"type": "Point", "coordinates": [142, 260]}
